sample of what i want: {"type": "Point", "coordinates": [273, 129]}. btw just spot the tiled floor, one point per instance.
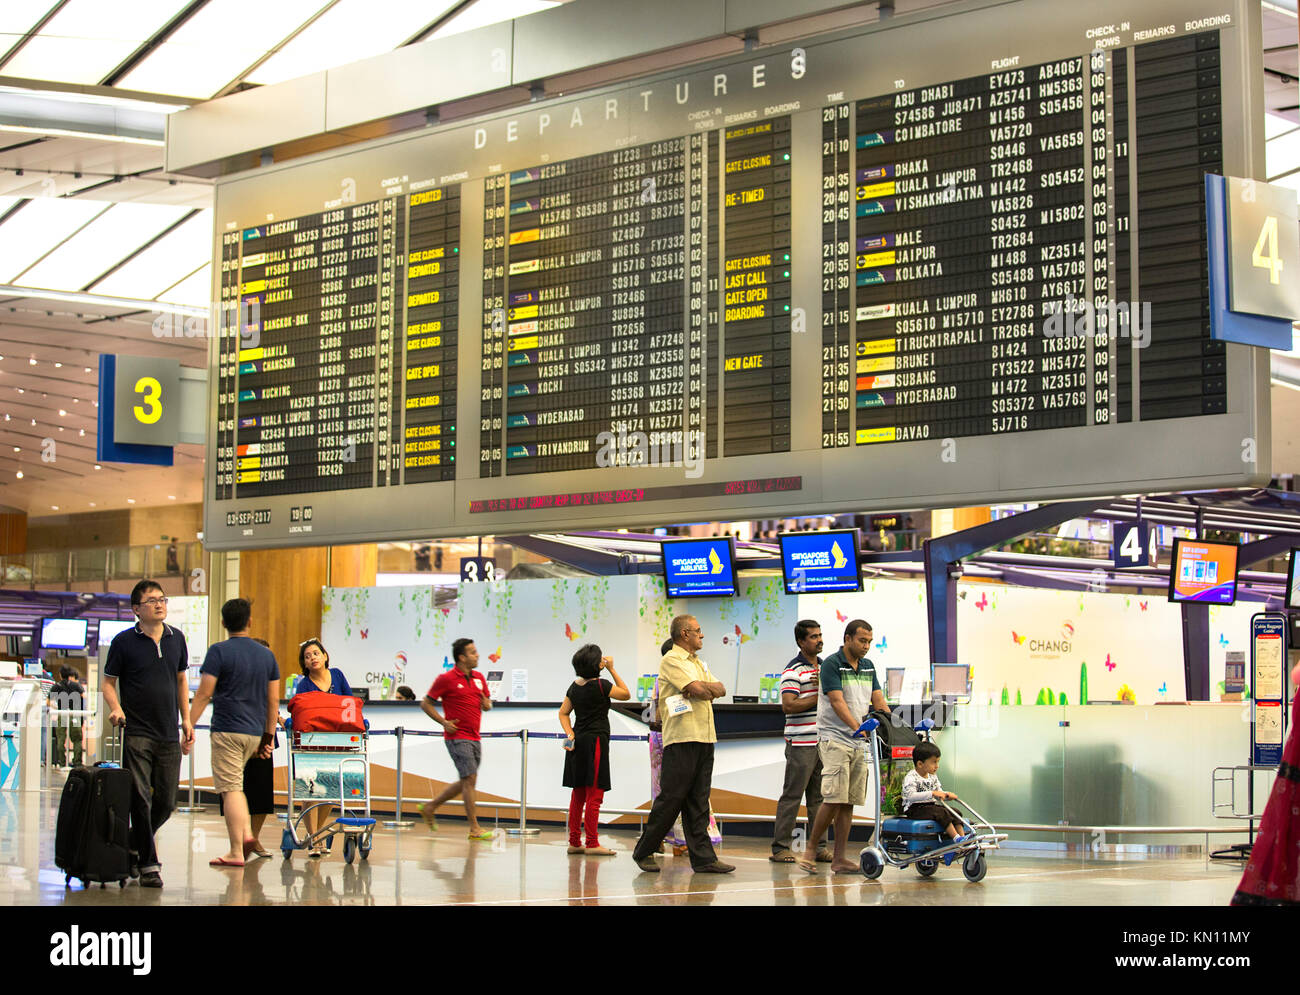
{"type": "Point", "coordinates": [415, 867]}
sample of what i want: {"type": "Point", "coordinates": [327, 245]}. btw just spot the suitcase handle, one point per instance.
{"type": "Point", "coordinates": [115, 743]}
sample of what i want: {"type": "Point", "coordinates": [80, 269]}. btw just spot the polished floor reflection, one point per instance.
{"type": "Point", "coordinates": [415, 867]}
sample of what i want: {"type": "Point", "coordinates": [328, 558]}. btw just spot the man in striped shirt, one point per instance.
{"type": "Point", "coordinates": [803, 766]}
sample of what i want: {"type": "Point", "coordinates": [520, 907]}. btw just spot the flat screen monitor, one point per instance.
{"type": "Point", "coordinates": [63, 633]}
{"type": "Point", "coordinates": [110, 627]}
{"type": "Point", "coordinates": [951, 680]}
{"type": "Point", "coordinates": [820, 562]}
{"type": "Point", "coordinates": [1293, 580]}
{"type": "Point", "coordinates": [33, 668]}
{"type": "Point", "coordinates": [700, 568]}
{"type": "Point", "coordinates": [1203, 572]}
{"type": "Point", "coordinates": [894, 682]}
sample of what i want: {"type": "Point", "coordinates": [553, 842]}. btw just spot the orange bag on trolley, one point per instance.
{"type": "Point", "coordinates": [320, 711]}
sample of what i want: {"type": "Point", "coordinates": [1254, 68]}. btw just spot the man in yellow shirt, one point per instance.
{"type": "Point", "coordinates": [686, 693]}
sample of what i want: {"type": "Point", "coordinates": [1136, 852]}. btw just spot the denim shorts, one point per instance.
{"type": "Point", "coordinates": [466, 754]}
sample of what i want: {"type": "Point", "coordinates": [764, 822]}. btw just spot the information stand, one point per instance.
{"type": "Point", "coordinates": [1268, 654]}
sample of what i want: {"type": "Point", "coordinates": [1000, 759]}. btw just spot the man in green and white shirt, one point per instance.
{"type": "Point", "coordinates": [849, 691]}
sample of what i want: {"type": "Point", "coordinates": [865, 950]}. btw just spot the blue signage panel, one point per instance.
{"type": "Point", "coordinates": [1268, 637]}
{"type": "Point", "coordinates": [820, 562]}
{"type": "Point", "coordinates": [108, 451]}
{"type": "Point", "coordinates": [1133, 545]}
{"type": "Point", "coordinates": [1226, 324]}
{"type": "Point", "coordinates": [700, 568]}
{"type": "Point", "coordinates": [474, 569]}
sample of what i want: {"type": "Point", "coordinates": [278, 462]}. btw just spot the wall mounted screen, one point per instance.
{"type": "Point", "coordinates": [1203, 572]}
{"type": "Point", "coordinates": [820, 562]}
{"type": "Point", "coordinates": [700, 568]}
{"type": "Point", "coordinates": [63, 633]}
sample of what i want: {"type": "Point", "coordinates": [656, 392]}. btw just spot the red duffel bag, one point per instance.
{"type": "Point", "coordinates": [320, 711]}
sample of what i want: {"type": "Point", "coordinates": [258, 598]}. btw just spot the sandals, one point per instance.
{"type": "Point", "coordinates": [782, 857]}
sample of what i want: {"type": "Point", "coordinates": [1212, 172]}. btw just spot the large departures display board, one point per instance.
{"type": "Point", "coordinates": [945, 259]}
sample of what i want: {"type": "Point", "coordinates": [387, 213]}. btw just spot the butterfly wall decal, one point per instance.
{"type": "Point", "coordinates": [841, 616]}
{"type": "Point", "coordinates": [1143, 605]}
{"type": "Point", "coordinates": [982, 603]}
{"type": "Point", "coordinates": [1018, 639]}
{"type": "Point", "coordinates": [883, 644]}
{"type": "Point", "coordinates": [365, 633]}
{"type": "Point", "coordinates": [741, 637]}
{"type": "Point", "coordinates": [1109, 664]}
{"type": "Point", "coordinates": [494, 657]}
{"type": "Point", "coordinates": [1223, 640]}
{"type": "Point", "coordinates": [568, 631]}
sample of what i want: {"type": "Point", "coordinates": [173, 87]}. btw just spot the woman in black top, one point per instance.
{"type": "Point", "coordinates": [586, 761]}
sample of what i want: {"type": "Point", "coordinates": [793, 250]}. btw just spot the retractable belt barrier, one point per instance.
{"type": "Point", "coordinates": [523, 735]}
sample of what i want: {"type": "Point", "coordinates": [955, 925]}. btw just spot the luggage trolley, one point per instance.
{"type": "Point", "coordinates": [334, 768]}
{"type": "Point", "coordinates": [901, 841]}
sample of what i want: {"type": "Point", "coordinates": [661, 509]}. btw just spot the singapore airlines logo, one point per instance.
{"type": "Point", "coordinates": [840, 561]}
{"type": "Point", "coordinates": [715, 562]}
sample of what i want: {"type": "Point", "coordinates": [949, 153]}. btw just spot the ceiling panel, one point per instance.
{"type": "Point", "coordinates": [349, 31]}
{"type": "Point", "coordinates": [196, 289]}
{"type": "Point", "coordinates": [37, 228]}
{"type": "Point", "coordinates": [88, 39]}
{"type": "Point", "coordinates": [19, 16]}
{"type": "Point", "coordinates": [111, 237]}
{"type": "Point", "coordinates": [217, 44]}
{"type": "Point", "coordinates": [168, 261]}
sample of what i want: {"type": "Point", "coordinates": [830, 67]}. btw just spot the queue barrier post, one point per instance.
{"type": "Point", "coordinates": [523, 829]}
{"type": "Point", "coordinates": [397, 822]}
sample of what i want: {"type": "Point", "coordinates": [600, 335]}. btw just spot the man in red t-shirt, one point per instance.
{"type": "Point", "coordinates": [464, 695]}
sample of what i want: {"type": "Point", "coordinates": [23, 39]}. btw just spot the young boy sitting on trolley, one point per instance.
{"type": "Point", "coordinates": [922, 792]}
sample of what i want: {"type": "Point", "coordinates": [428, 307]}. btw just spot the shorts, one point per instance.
{"type": "Point", "coordinates": [230, 751]}
{"type": "Point", "coordinates": [844, 774]}
{"type": "Point", "coordinates": [466, 754]}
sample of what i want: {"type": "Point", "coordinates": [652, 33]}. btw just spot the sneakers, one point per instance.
{"type": "Point", "coordinates": [482, 834]}
{"type": "Point", "coordinates": [150, 879]}
{"type": "Point", "coordinates": [717, 867]}
{"type": "Point", "coordinates": [426, 813]}
{"type": "Point", "coordinates": [648, 864]}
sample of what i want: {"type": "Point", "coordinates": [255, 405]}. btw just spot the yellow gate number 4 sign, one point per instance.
{"type": "Point", "coordinates": [1270, 261]}
{"type": "Point", "coordinates": [151, 395]}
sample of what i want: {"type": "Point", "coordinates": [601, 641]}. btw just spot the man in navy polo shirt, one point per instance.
{"type": "Point", "coordinates": [146, 690]}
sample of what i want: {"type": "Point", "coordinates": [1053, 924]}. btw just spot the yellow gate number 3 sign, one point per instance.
{"type": "Point", "coordinates": [150, 390]}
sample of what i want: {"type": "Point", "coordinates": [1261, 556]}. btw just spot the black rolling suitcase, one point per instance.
{"type": "Point", "coordinates": [92, 835]}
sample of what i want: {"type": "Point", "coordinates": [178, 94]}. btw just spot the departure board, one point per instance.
{"type": "Point", "coordinates": [955, 260]}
